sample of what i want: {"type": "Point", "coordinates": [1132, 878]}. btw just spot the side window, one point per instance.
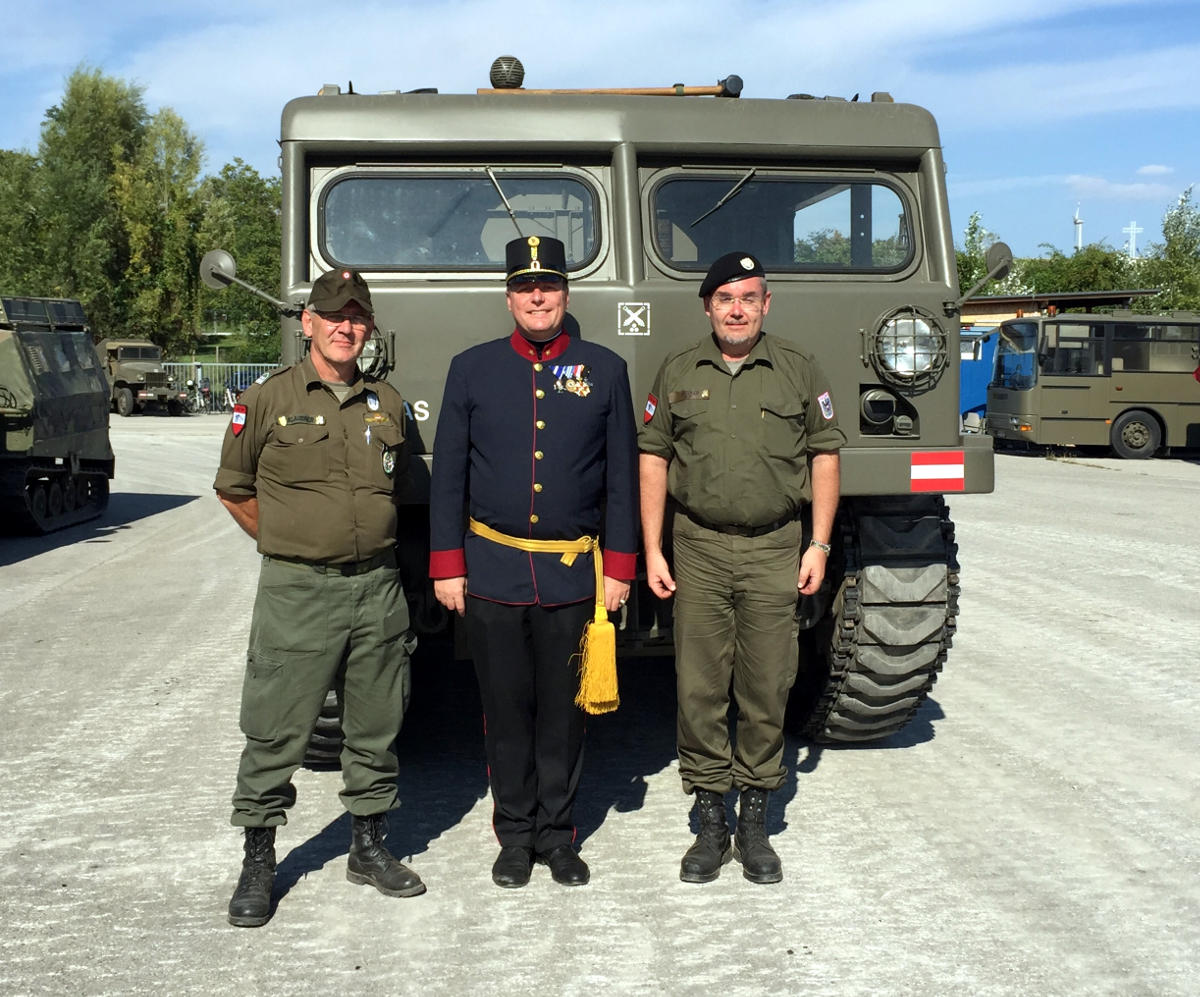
{"type": "Point", "coordinates": [1074, 348]}
{"type": "Point", "coordinates": [455, 221]}
{"type": "Point", "coordinates": [792, 225]}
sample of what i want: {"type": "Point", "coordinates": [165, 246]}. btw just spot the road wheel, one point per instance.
{"type": "Point", "coordinates": [1135, 435]}
{"type": "Point", "coordinates": [174, 407]}
{"type": "Point", "coordinates": [54, 499]}
{"type": "Point", "coordinates": [124, 401]}
{"type": "Point", "coordinates": [70, 494]}
{"type": "Point", "coordinates": [38, 503]}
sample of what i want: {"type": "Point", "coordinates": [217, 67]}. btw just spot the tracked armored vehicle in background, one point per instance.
{"type": "Point", "coordinates": [55, 457]}
{"type": "Point", "coordinates": [843, 201]}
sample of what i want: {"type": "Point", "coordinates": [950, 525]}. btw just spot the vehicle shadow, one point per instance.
{"type": "Point", "coordinates": [123, 510]}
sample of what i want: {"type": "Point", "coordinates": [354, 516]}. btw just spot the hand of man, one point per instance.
{"type": "Point", "coordinates": [658, 576]}
{"type": "Point", "coordinates": [452, 593]}
{"type": "Point", "coordinates": [812, 571]}
{"type": "Point", "coordinates": [616, 593]}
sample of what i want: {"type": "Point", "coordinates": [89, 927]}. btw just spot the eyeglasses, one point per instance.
{"type": "Point", "coordinates": [356, 320]}
{"type": "Point", "coordinates": [750, 302]}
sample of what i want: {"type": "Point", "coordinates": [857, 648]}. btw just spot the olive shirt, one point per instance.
{"type": "Point", "coordinates": [325, 472]}
{"type": "Point", "coordinates": [738, 444]}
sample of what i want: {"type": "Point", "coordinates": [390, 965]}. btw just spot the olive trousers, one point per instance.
{"type": "Point", "coordinates": [314, 629]}
{"type": "Point", "coordinates": [735, 628]}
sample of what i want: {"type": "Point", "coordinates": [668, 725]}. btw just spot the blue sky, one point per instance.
{"type": "Point", "coordinates": [1045, 106]}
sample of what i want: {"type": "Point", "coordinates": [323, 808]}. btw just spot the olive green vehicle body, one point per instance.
{"type": "Point", "coordinates": [843, 201]}
{"type": "Point", "coordinates": [55, 456]}
{"type": "Point", "coordinates": [136, 377]}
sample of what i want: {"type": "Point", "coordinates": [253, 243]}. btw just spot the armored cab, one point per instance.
{"type": "Point", "coordinates": [137, 378]}
{"type": "Point", "coordinates": [844, 202]}
{"type": "Point", "coordinates": [55, 457]}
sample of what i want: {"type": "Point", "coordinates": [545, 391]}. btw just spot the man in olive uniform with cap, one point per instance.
{"type": "Point", "coordinates": [740, 430]}
{"type": "Point", "coordinates": [536, 440]}
{"type": "Point", "coordinates": [310, 467]}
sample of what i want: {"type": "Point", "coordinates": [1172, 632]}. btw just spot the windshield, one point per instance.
{"type": "Point", "coordinates": [453, 221]}
{"type": "Point", "coordinates": [139, 353]}
{"type": "Point", "coordinates": [1016, 354]}
{"type": "Point", "coordinates": [792, 225]}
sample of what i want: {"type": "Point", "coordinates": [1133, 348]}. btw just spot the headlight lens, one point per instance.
{"type": "Point", "coordinates": [909, 349]}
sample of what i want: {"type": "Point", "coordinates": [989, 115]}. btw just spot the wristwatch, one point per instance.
{"type": "Point", "coordinates": [823, 548]}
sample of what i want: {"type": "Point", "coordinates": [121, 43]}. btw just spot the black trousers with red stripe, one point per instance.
{"type": "Point", "coordinates": [533, 731]}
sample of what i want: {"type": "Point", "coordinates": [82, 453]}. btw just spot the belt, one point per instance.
{"type": "Point", "coordinates": [743, 531]}
{"type": "Point", "coordinates": [385, 560]}
{"type": "Point", "coordinates": [598, 649]}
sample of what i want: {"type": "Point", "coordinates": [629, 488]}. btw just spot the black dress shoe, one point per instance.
{"type": "Point", "coordinates": [512, 866]}
{"type": "Point", "coordinates": [566, 867]}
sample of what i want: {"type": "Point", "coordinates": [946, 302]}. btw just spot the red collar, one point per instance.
{"type": "Point", "coordinates": [554, 349]}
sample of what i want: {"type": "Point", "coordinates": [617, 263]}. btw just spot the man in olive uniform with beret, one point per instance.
{"type": "Point", "coordinates": [536, 440]}
{"type": "Point", "coordinates": [740, 430]}
{"type": "Point", "coordinates": [310, 466]}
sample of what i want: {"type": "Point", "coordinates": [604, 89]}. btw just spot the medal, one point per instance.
{"type": "Point", "coordinates": [389, 463]}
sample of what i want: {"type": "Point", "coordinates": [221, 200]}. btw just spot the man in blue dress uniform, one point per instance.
{"type": "Point", "coordinates": [536, 441]}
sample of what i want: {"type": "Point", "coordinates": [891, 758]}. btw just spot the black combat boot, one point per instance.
{"type": "Point", "coordinates": [250, 906]}
{"type": "Point", "coordinates": [371, 863]}
{"type": "Point", "coordinates": [702, 862]}
{"type": "Point", "coordinates": [760, 864]}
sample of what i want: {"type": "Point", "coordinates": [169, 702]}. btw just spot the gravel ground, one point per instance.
{"type": "Point", "coordinates": [1035, 830]}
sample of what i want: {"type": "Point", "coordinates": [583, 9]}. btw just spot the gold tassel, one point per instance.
{"type": "Point", "coordinates": [598, 666]}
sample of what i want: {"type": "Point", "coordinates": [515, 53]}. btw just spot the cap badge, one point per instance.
{"type": "Point", "coordinates": [533, 240]}
{"type": "Point", "coordinates": [747, 263]}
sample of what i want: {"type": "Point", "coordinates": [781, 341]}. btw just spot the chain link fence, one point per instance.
{"type": "Point", "coordinates": [214, 387]}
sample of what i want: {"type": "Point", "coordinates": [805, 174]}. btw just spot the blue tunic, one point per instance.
{"type": "Point", "coordinates": [541, 449]}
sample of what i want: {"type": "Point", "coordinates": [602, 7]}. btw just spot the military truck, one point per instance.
{"type": "Point", "coordinates": [843, 200]}
{"type": "Point", "coordinates": [55, 457]}
{"type": "Point", "coordinates": [136, 377]}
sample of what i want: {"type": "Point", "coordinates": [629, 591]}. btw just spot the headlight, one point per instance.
{"type": "Point", "coordinates": [908, 349]}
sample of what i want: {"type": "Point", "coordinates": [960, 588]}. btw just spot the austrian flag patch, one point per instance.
{"type": "Point", "coordinates": [238, 423]}
{"type": "Point", "coordinates": [651, 407]}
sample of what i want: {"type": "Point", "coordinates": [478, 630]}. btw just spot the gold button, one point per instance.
{"type": "Point", "coordinates": [537, 367]}
{"type": "Point", "coordinates": [539, 393]}
{"type": "Point", "coordinates": [541, 424]}
{"type": "Point", "coordinates": [538, 455]}
{"type": "Point", "coordinates": [537, 486]}
{"type": "Point", "coordinates": [533, 518]}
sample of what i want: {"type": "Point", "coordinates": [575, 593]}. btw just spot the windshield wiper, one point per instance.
{"type": "Point", "coordinates": [508, 207]}
{"type": "Point", "coordinates": [727, 196]}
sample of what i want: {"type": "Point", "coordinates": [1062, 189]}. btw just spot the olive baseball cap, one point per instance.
{"type": "Point", "coordinates": [728, 268]}
{"type": "Point", "coordinates": [332, 290]}
{"type": "Point", "coordinates": [535, 256]}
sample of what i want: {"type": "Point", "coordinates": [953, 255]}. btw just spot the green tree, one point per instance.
{"type": "Point", "coordinates": [976, 242]}
{"type": "Point", "coordinates": [1174, 265]}
{"type": "Point", "coordinates": [239, 212]}
{"type": "Point", "coordinates": [84, 249]}
{"type": "Point", "coordinates": [1095, 267]}
{"type": "Point", "coordinates": [18, 222]}
{"type": "Point", "coordinates": [155, 191]}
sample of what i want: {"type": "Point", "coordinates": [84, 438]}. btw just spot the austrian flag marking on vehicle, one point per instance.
{"type": "Point", "coordinates": [651, 406]}
{"type": "Point", "coordinates": [238, 422]}
{"type": "Point", "coordinates": [943, 471]}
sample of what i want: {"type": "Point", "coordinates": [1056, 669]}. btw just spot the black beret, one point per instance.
{"type": "Point", "coordinates": [535, 256]}
{"type": "Point", "coordinates": [333, 289]}
{"type": "Point", "coordinates": [730, 267]}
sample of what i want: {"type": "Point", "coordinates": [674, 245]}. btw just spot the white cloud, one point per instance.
{"type": "Point", "coordinates": [1154, 170]}
{"type": "Point", "coordinates": [1097, 188]}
